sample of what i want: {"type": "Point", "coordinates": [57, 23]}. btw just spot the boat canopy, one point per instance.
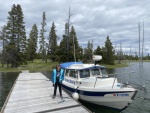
{"type": "Point", "coordinates": [68, 64]}
{"type": "Point", "coordinates": [79, 66]}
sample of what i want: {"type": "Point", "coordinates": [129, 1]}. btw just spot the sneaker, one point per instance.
{"type": "Point", "coordinates": [54, 96]}
{"type": "Point", "coordinates": [61, 96]}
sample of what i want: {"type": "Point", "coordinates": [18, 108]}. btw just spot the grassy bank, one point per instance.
{"type": "Point", "coordinates": [124, 63]}
{"type": "Point", "coordinates": [35, 66]}
{"type": "Point", "coordinates": [116, 65]}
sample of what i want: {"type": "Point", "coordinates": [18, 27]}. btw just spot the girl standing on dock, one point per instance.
{"type": "Point", "coordinates": [57, 78]}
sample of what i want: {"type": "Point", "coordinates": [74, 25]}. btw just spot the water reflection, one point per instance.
{"type": "Point", "coordinates": [110, 71]}
{"type": "Point", "coordinates": [6, 82]}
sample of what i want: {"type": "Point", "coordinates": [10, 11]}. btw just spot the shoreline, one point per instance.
{"type": "Point", "coordinates": [37, 65]}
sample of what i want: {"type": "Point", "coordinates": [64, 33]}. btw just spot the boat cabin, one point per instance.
{"type": "Point", "coordinates": [80, 71]}
{"type": "Point", "coordinates": [88, 75]}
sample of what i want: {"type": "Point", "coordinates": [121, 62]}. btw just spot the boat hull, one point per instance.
{"type": "Point", "coordinates": [116, 99]}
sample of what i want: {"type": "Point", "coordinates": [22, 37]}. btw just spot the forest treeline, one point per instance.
{"type": "Point", "coordinates": [18, 48]}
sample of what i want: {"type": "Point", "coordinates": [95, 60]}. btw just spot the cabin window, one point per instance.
{"type": "Point", "coordinates": [104, 72]}
{"type": "Point", "coordinates": [95, 72]}
{"type": "Point", "coordinates": [66, 72]}
{"type": "Point", "coordinates": [84, 73]}
{"type": "Point", "coordinates": [73, 74]}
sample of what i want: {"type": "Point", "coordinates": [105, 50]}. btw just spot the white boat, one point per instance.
{"type": "Point", "coordinates": [91, 83]}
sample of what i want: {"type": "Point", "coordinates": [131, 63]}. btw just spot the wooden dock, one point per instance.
{"type": "Point", "coordinates": [32, 93]}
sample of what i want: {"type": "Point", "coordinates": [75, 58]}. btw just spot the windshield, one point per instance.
{"type": "Point", "coordinates": [84, 73]}
{"type": "Point", "coordinates": [104, 72]}
{"type": "Point", "coordinates": [66, 72]}
{"type": "Point", "coordinates": [73, 73]}
{"type": "Point", "coordinates": [95, 72]}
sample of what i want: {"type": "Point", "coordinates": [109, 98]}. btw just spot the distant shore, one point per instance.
{"type": "Point", "coordinates": [38, 66]}
{"type": "Point", "coordinates": [35, 66]}
{"type": "Point", "coordinates": [124, 63]}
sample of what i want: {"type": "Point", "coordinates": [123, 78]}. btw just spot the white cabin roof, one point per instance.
{"type": "Point", "coordinates": [80, 66]}
{"type": "Point", "coordinates": [75, 65]}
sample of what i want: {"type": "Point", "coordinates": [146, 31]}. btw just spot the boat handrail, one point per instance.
{"type": "Point", "coordinates": [114, 79]}
{"type": "Point", "coordinates": [129, 76]}
{"type": "Point", "coordinates": [121, 77]}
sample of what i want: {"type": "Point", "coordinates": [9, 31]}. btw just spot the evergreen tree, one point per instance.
{"type": "Point", "coordinates": [32, 43]}
{"type": "Point", "coordinates": [108, 52]}
{"type": "Point", "coordinates": [11, 32]}
{"type": "Point", "coordinates": [3, 37]}
{"type": "Point", "coordinates": [42, 38]}
{"type": "Point", "coordinates": [69, 49]}
{"type": "Point", "coordinates": [74, 50]}
{"type": "Point", "coordinates": [21, 36]}
{"type": "Point", "coordinates": [148, 57]}
{"type": "Point", "coordinates": [21, 32]}
{"type": "Point", "coordinates": [98, 51]}
{"type": "Point", "coordinates": [103, 55]}
{"type": "Point", "coordinates": [52, 42]}
{"type": "Point", "coordinates": [16, 47]}
{"type": "Point", "coordinates": [63, 48]}
{"type": "Point", "coordinates": [80, 56]}
{"type": "Point", "coordinates": [88, 52]}
{"type": "Point", "coordinates": [62, 51]}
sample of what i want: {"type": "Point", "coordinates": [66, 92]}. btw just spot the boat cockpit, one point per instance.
{"type": "Point", "coordinates": [86, 73]}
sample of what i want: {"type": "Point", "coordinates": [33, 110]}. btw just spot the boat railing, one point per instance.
{"type": "Point", "coordinates": [115, 75]}
{"type": "Point", "coordinates": [106, 76]}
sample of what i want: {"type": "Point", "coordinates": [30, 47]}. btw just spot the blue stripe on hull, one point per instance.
{"type": "Point", "coordinates": [90, 93]}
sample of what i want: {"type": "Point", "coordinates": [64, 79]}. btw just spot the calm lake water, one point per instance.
{"type": "Point", "coordinates": [140, 76]}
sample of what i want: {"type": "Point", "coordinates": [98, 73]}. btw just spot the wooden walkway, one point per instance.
{"type": "Point", "coordinates": [32, 93]}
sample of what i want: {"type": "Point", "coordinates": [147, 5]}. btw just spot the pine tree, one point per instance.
{"type": "Point", "coordinates": [62, 50]}
{"type": "Point", "coordinates": [21, 36]}
{"type": "Point", "coordinates": [42, 38]}
{"type": "Point", "coordinates": [11, 48]}
{"type": "Point", "coordinates": [52, 42]}
{"type": "Point", "coordinates": [88, 52]}
{"type": "Point", "coordinates": [32, 43]}
{"type": "Point", "coordinates": [98, 51]}
{"type": "Point", "coordinates": [16, 47]}
{"type": "Point", "coordinates": [69, 46]}
{"type": "Point", "coordinates": [3, 37]}
{"type": "Point", "coordinates": [109, 52]}
{"type": "Point", "coordinates": [80, 54]}
{"type": "Point", "coordinates": [74, 50]}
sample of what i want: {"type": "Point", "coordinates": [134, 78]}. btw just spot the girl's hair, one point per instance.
{"type": "Point", "coordinates": [57, 66]}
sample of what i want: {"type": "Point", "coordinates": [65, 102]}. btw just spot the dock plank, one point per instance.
{"type": "Point", "coordinates": [33, 92]}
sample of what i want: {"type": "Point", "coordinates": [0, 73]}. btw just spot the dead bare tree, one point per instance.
{"type": "Point", "coordinates": [68, 25]}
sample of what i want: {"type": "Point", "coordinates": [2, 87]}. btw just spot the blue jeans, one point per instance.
{"type": "Point", "coordinates": [59, 85]}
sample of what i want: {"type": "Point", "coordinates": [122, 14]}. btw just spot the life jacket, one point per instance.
{"type": "Point", "coordinates": [61, 77]}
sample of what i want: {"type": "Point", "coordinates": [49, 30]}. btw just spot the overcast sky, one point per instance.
{"type": "Point", "coordinates": [92, 19]}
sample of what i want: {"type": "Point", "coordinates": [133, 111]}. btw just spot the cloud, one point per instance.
{"type": "Point", "coordinates": [92, 19]}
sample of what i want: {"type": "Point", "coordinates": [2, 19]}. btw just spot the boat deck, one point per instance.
{"type": "Point", "coordinates": [32, 93]}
